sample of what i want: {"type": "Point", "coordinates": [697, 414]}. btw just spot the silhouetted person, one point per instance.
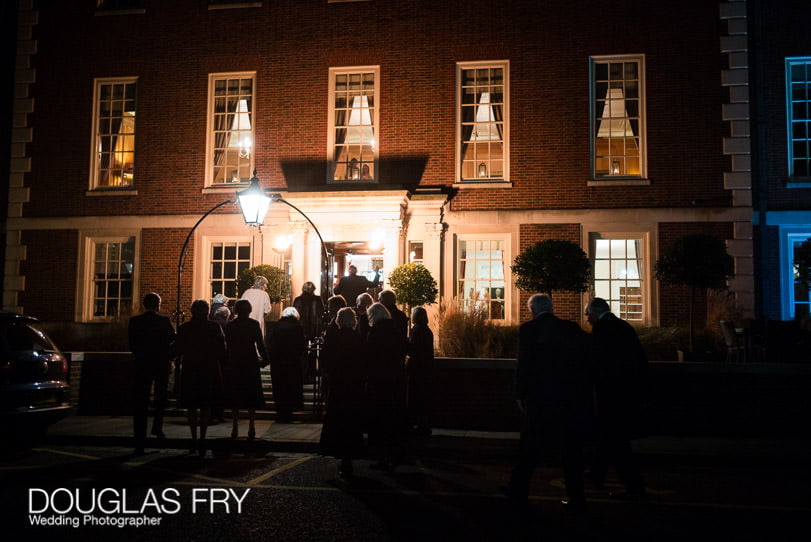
{"type": "Point", "coordinates": [385, 350]}
{"type": "Point", "coordinates": [419, 371]}
{"type": "Point", "coordinates": [344, 361]}
{"type": "Point", "coordinates": [286, 348]}
{"type": "Point", "coordinates": [334, 304]}
{"type": "Point", "coordinates": [362, 304]}
{"type": "Point", "coordinates": [352, 285]}
{"type": "Point", "coordinates": [554, 396]}
{"type": "Point", "coordinates": [619, 383]}
{"type": "Point", "coordinates": [389, 300]}
{"type": "Point", "coordinates": [201, 344]}
{"type": "Point", "coordinates": [242, 377]}
{"type": "Point", "coordinates": [150, 336]}
{"type": "Point", "coordinates": [311, 310]}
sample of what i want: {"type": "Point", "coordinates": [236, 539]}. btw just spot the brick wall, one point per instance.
{"type": "Point", "coordinates": [51, 266]}
{"type": "Point", "coordinates": [160, 249]}
{"type": "Point", "coordinates": [175, 45]}
{"type": "Point", "coordinates": [674, 301]}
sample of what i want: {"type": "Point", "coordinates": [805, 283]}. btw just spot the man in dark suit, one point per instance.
{"type": "Point", "coordinates": [554, 396]}
{"type": "Point", "coordinates": [150, 335]}
{"type": "Point", "coordinates": [389, 300]}
{"type": "Point", "coordinates": [620, 372]}
{"type": "Point", "coordinates": [352, 285]}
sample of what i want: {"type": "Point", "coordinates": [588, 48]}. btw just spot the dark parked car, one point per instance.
{"type": "Point", "coordinates": [34, 388]}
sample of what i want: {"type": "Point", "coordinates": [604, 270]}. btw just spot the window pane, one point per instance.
{"type": "Point", "coordinates": [480, 275]}
{"type": "Point", "coordinates": [617, 118]}
{"type": "Point", "coordinates": [482, 124]}
{"type": "Point", "coordinates": [113, 277]}
{"type": "Point", "coordinates": [617, 276]}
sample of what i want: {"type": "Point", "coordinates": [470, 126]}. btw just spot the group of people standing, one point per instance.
{"type": "Point", "coordinates": [377, 373]}
{"type": "Point", "coordinates": [576, 389]}
{"type": "Point", "coordinates": [220, 357]}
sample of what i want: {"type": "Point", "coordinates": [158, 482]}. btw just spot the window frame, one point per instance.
{"type": "Point", "coordinates": [331, 164]}
{"type": "Point", "coordinates": [506, 240]}
{"type": "Point", "coordinates": [645, 268]}
{"type": "Point", "coordinates": [209, 242]}
{"type": "Point", "coordinates": [86, 293]}
{"type": "Point", "coordinates": [788, 236]}
{"type": "Point", "coordinates": [790, 140]}
{"type": "Point", "coordinates": [623, 179]}
{"type": "Point", "coordinates": [95, 159]}
{"type": "Point", "coordinates": [460, 181]}
{"type": "Point", "coordinates": [210, 139]}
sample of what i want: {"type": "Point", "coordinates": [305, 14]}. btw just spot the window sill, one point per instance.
{"type": "Point", "coordinates": [224, 188]}
{"type": "Point", "coordinates": [619, 182]}
{"type": "Point", "coordinates": [104, 12]}
{"type": "Point", "coordinates": [483, 184]}
{"type": "Point", "coordinates": [112, 192]}
{"type": "Point", "coordinates": [239, 5]}
{"type": "Point", "coordinates": [351, 182]}
{"type": "Point", "coordinates": [798, 182]}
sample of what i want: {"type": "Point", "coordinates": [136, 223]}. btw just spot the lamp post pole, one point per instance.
{"type": "Point", "coordinates": [254, 203]}
{"type": "Point", "coordinates": [326, 289]}
{"type": "Point", "coordinates": [179, 314]}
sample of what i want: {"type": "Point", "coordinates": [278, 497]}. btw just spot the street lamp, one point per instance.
{"type": "Point", "coordinates": [254, 203]}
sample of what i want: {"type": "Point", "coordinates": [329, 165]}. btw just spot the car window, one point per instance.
{"type": "Point", "coordinates": [21, 337]}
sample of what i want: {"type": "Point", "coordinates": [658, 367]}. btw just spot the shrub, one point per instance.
{"type": "Point", "coordinates": [413, 285]}
{"type": "Point", "coordinates": [470, 334]}
{"type": "Point", "coordinates": [552, 265]}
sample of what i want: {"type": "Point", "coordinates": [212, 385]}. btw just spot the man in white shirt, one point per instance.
{"type": "Point", "coordinates": [259, 299]}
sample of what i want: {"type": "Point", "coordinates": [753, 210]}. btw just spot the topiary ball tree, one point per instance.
{"type": "Point", "coordinates": [698, 261]}
{"type": "Point", "coordinates": [552, 265]}
{"type": "Point", "coordinates": [278, 281]}
{"type": "Point", "coordinates": [413, 285]}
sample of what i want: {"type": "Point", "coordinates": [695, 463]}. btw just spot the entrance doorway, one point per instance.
{"type": "Point", "coordinates": [357, 253]}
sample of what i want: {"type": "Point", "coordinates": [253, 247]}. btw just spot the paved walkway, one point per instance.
{"type": "Point", "coordinates": [304, 437]}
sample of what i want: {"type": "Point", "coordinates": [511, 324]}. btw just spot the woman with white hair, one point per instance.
{"type": "Point", "coordinates": [286, 348]}
{"type": "Point", "coordinates": [260, 300]}
{"type": "Point", "coordinates": [343, 362]}
{"type": "Point", "coordinates": [385, 350]}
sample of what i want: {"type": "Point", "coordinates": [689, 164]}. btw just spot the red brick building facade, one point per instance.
{"type": "Point", "coordinates": [450, 133]}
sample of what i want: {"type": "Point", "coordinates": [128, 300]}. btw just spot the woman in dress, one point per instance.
{"type": "Point", "coordinates": [343, 361]}
{"type": "Point", "coordinates": [201, 344]}
{"type": "Point", "coordinates": [243, 380]}
{"type": "Point", "coordinates": [385, 354]}
{"type": "Point", "coordinates": [419, 369]}
{"type": "Point", "coordinates": [286, 348]}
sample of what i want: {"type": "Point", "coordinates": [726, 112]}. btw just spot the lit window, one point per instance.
{"type": "Point", "coordinates": [353, 120]}
{"type": "Point", "coordinates": [231, 132]}
{"type": "Point", "coordinates": [618, 276]}
{"type": "Point", "coordinates": [415, 251]}
{"type": "Point", "coordinates": [798, 115]}
{"type": "Point", "coordinates": [112, 282]}
{"type": "Point", "coordinates": [482, 122]}
{"type": "Point", "coordinates": [618, 117]}
{"type": "Point", "coordinates": [799, 293]}
{"type": "Point", "coordinates": [228, 260]}
{"type": "Point", "coordinates": [480, 279]}
{"type": "Point", "coordinates": [114, 133]}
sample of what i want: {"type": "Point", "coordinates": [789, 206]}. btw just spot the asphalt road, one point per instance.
{"type": "Point", "coordinates": [438, 494]}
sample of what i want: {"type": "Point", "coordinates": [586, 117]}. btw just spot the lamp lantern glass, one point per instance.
{"type": "Point", "coordinates": [254, 203]}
